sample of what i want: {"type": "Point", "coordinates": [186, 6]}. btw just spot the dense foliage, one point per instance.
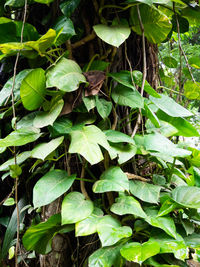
{"type": "Point", "coordinates": [94, 138]}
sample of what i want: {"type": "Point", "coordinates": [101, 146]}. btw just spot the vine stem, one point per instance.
{"type": "Point", "coordinates": [15, 127]}
{"type": "Point", "coordinates": [139, 119]}
{"type": "Point", "coordinates": [82, 182]}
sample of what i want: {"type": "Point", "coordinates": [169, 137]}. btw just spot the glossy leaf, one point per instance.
{"type": "Point", "coordinates": [45, 118]}
{"type": "Point", "coordinates": [169, 106]}
{"type": "Point", "coordinates": [110, 231]}
{"type": "Point", "coordinates": [118, 137]}
{"type": "Point", "coordinates": [127, 205]}
{"type": "Point", "coordinates": [68, 6]}
{"type": "Point", "coordinates": [61, 126]}
{"type": "Point", "coordinates": [123, 152]}
{"type": "Point", "coordinates": [157, 26]}
{"type": "Point", "coordinates": [88, 226]}
{"type": "Point", "coordinates": [51, 186]}
{"type": "Point", "coordinates": [72, 204]}
{"type": "Point", "coordinates": [86, 141]}
{"type": "Point", "coordinates": [187, 196]}
{"type": "Point", "coordinates": [126, 96]}
{"type": "Point", "coordinates": [32, 90]}
{"type": "Point", "coordinates": [113, 179]}
{"type": "Point", "coordinates": [20, 137]}
{"type": "Point", "coordinates": [139, 252]}
{"type": "Point", "coordinates": [39, 237]}
{"type": "Point", "coordinates": [66, 75]}
{"type": "Point", "coordinates": [144, 191]}
{"type": "Point", "coordinates": [114, 35]}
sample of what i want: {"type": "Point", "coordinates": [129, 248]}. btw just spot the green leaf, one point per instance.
{"type": "Point", "coordinates": [65, 25]}
{"type": "Point", "coordinates": [65, 74]}
{"type": "Point", "coordinates": [170, 62]}
{"type": "Point", "coordinates": [14, 3]}
{"type": "Point", "coordinates": [196, 174]}
{"type": "Point", "coordinates": [124, 152]}
{"type": "Point", "coordinates": [11, 252]}
{"type": "Point", "coordinates": [41, 151]}
{"type": "Point", "coordinates": [39, 237]}
{"type": "Point", "coordinates": [86, 141]}
{"type": "Point", "coordinates": [9, 202]}
{"type": "Point", "coordinates": [75, 208]}
{"type": "Point", "coordinates": [192, 241]}
{"type": "Point", "coordinates": [157, 26]}
{"type": "Point", "coordinates": [139, 252]}
{"type": "Point", "coordinates": [27, 121]}
{"type": "Point", "coordinates": [169, 106]}
{"type": "Point", "coordinates": [68, 6]}
{"type": "Point", "coordinates": [114, 35]}
{"type": "Point", "coordinates": [170, 245]}
{"type": "Point", "coordinates": [158, 142]}
{"type": "Point", "coordinates": [192, 90]}
{"type": "Point", "coordinates": [164, 223]}
{"type": "Point", "coordinates": [15, 170]}
{"type": "Point", "coordinates": [106, 257]}
{"type": "Point", "coordinates": [182, 125]}
{"type": "Point", "coordinates": [20, 159]}
{"type": "Point", "coordinates": [151, 115]}
{"type": "Point", "coordinates": [127, 205]}
{"type": "Point", "coordinates": [194, 62]}
{"type": "Point", "coordinates": [20, 137]}
{"type": "Point", "coordinates": [45, 118]}
{"type": "Point", "coordinates": [88, 226]}
{"type": "Point", "coordinates": [144, 191]}
{"type": "Point", "coordinates": [118, 137]}
{"type": "Point", "coordinates": [126, 96]}
{"type": "Point", "coordinates": [5, 94]}
{"type": "Point", "coordinates": [187, 196]}
{"type": "Point", "coordinates": [183, 24]}
{"type": "Point", "coordinates": [51, 186]}
{"type": "Point", "coordinates": [104, 107]}
{"type": "Point", "coordinates": [110, 231]}
{"type": "Point", "coordinates": [44, 1]}
{"type": "Point", "coordinates": [113, 179]}
{"type": "Point", "coordinates": [33, 89]}
{"type": "Point", "coordinates": [61, 126]}
{"type": "Point", "coordinates": [168, 206]}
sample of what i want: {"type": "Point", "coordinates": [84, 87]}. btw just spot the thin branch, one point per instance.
{"type": "Point", "coordinates": [83, 41]}
{"type": "Point", "coordinates": [136, 177]}
{"type": "Point", "coordinates": [82, 182]}
{"type": "Point", "coordinates": [139, 119]}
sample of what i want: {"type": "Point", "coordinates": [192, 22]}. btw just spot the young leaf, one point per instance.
{"type": "Point", "coordinates": [75, 208]}
{"type": "Point", "coordinates": [41, 151]}
{"type": "Point", "coordinates": [104, 107]}
{"type": "Point", "coordinates": [65, 74]}
{"type": "Point", "coordinates": [9, 202]}
{"type": "Point", "coordinates": [45, 118]}
{"type": "Point", "coordinates": [113, 179]}
{"type": "Point", "coordinates": [89, 225]}
{"type": "Point", "coordinates": [139, 252]}
{"type": "Point", "coordinates": [86, 141]}
{"type": "Point", "coordinates": [20, 137]}
{"type": "Point", "coordinates": [110, 231]}
{"type": "Point", "coordinates": [51, 186]}
{"type": "Point", "coordinates": [33, 89]}
{"type": "Point", "coordinates": [127, 205]}
{"type": "Point", "coordinates": [144, 191]}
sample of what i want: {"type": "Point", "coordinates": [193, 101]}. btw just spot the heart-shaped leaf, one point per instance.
{"type": "Point", "coordinates": [113, 179]}
{"type": "Point", "coordinates": [75, 208]}
{"type": "Point", "coordinates": [51, 186]}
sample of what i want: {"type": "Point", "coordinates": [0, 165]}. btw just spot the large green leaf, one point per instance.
{"type": "Point", "coordinates": [62, 126]}
{"type": "Point", "coordinates": [114, 35]}
{"type": "Point", "coordinates": [192, 89]}
{"type": "Point", "coordinates": [127, 205]}
{"type": "Point", "coordinates": [170, 62]}
{"type": "Point", "coordinates": [51, 186]}
{"type": "Point", "coordinates": [113, 179]}
{"type": "Point", "coordinates": [157, 26]}
{"type": "Point", "coordinates": [181, 124]}
{"type": "Point", "coordinates": [193, 241]}
{"type": "Point", "coordinates": [65, 74]}
{"type": "Point", "coordinates": [41, 151]}
{"type": "Point", "coordinates": [45, 118]}
{"type": "Point", "coordinates": [6, 90]}
{"type": "Point", "coordinates": [20, 137]}
{"type": "Point", "coordinates": [139, 252]}
{"type": "Point", "coordinates": [68, 6]}
{"type": "Point", "coordinates": [86, 141]}
{"type": "Point", "coordinates": [159, 143]}
{"type": "Point", "coordinates": [106, 257]}
{"type": "Point", "coordinates": [144, 191]}
{"type": "Point", "coordinates": [39, 237]}
{"type": "Point", "coordinates": [89, 225]}
{"type": "Point", "coordinates": [118, 137]}
{"type": "Point", "coordinates": [126, 96]}
{"type": "Point", "coordinates": [33, 89]}
{"type": "Point", "coordinates": [169, 106]}
{"type": "Point", "coordinates": [110, 231]}
{"type": "Point", "coordinates": [20, 159]}
{"type": "Point", "coordinates": [170, 245]}
{"type": "Point", "coordinates": [75, 208]}
{"type": "Point", "coordinates": [187, 196]}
